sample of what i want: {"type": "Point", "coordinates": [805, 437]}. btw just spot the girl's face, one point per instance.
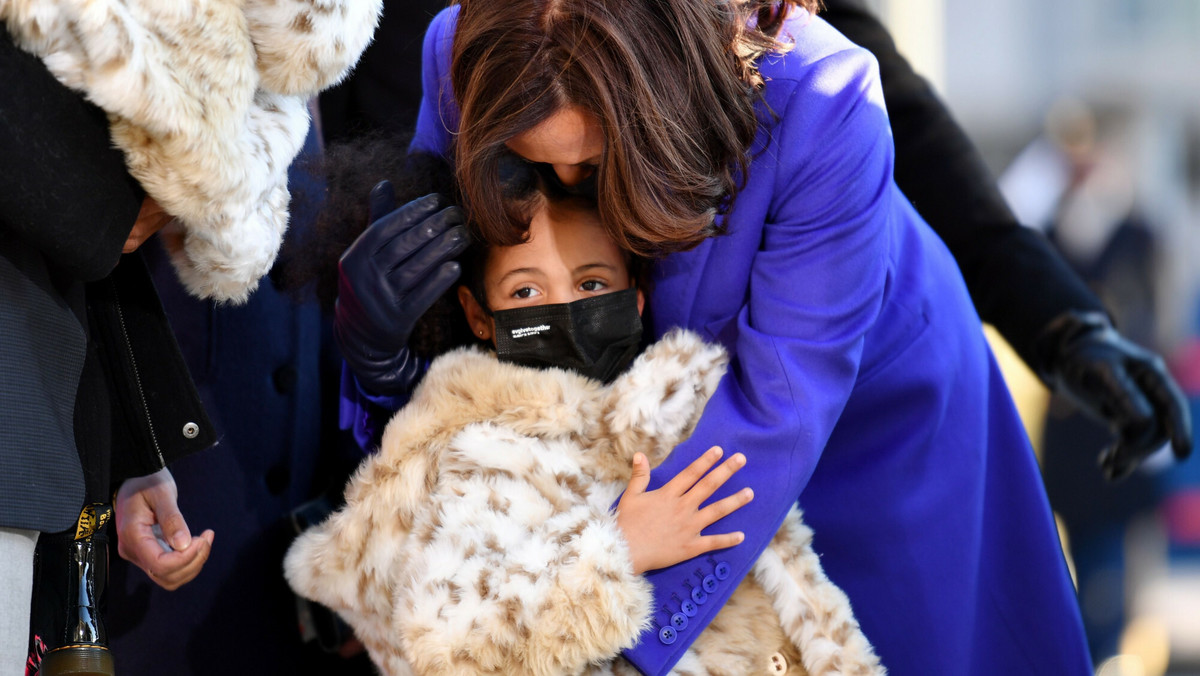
{"type": "Point", "coordinates": [570, 141]}
{"type": "Point", "coordinates": [567, 257]}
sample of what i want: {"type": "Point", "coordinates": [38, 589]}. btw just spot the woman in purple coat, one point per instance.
{"type": "Point", "coordinates": [860, 382]}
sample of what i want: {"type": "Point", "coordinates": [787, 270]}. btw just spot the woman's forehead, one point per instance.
{"type": "Point", "coordinates": [569, 136]}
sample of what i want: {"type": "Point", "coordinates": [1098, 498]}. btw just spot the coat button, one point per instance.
{"type": "Point", "coordinates": [699, 595]}
{"type": "Point", "coordinates": [667, 635]}
{"type": "Point", "coordinates": [722, 571]}
{"type": "Point", "coordinates": [191, 430]}
{"type": "Point", "coordinates": [709, 583]}
{"type": "Point", "coordinates": [689, 608]}
{"type": "Point", "coordinates": [679, 621]}
{"type": "Point", "coordinates": [779, 664]}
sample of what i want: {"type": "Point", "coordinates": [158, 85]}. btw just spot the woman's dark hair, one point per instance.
{"type": "Point", "coordinates": [672, 83]}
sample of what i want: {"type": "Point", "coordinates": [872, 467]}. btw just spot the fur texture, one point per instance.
{"type": "Point", "coordinates": [206, 98]}
{"type": "Point", "coordinates": [480, 540]}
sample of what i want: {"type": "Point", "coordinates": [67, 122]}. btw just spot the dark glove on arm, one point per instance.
{"type": "Point", "coordinates": [1083, 357]}
{"type": "Point", "coordinates": [396, 269]}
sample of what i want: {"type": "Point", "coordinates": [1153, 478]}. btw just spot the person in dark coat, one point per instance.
{"type": "Point", "coordinates": [93, 390]}
{"type": "Point", "coordinates": [385, 89]}
{"type": "Point", "coordinates": [263, 372]}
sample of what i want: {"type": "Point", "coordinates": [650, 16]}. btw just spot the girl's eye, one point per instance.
{"type": "Point", "coordinates": [525, 292]}
{"type": "Point", "coordinates": [593, 285]}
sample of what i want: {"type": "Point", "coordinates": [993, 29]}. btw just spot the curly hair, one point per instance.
{"type": "Point", "coordinates": [351, 169]}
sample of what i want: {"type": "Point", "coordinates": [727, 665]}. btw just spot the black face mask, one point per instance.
{"type": "Point", "coordinates": [597, 337]}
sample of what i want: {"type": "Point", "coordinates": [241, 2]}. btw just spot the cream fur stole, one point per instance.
{"type": "Point", "coordinates": [479, 540]}
{"type": "Point", "coordinates": [206, 98]}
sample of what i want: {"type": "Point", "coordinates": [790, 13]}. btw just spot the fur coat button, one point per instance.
{"type": "Point", "coordinates": [779, 664]}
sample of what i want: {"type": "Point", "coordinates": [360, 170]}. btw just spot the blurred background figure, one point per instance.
{"type": "Point", "coordinates": [1074, 182]}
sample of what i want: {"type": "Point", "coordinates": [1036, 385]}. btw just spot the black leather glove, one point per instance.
{"type": "Point", "coordinates": [387, 279]}
{"type": "Point", "coordinates": [1083, 357]}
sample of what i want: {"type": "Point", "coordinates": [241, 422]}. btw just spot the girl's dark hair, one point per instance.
{"type": "Point", "coordinates": [672, 83]}
{"type": "Point", "coordinates": [350, 170]}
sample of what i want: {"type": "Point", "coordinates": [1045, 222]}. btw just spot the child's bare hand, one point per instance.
{"type": "Point", "coordinates": [663, 526]}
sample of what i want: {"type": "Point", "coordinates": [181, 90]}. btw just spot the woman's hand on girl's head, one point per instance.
{"type": "Point", "coordinates": [663, 527]}
{"type": "Point", "coordinates": [390, 276]}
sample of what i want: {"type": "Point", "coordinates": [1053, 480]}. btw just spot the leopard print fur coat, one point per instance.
{"type": "Point", "coordinates": [207, 100]}
{"type": "Point", "coordinates": [480, 538]}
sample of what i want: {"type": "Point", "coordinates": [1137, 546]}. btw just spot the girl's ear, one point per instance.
{"type": "Point", "coordinates": [481, 324]}
{"type": "Point", "coordinates": [641, 301]}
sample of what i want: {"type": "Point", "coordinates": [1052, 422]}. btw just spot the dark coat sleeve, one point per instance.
{"type": "Point", "coordinates": [64, 189]}
{"type": "Point", "coordinates": [1017, 281]}
{"type": "Point", "coordinates": [384, 91]}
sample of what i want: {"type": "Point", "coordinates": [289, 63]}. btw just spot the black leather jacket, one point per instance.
{"type": "Point", "coordinates": [92, 387]}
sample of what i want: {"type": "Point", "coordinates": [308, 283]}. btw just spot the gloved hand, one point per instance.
{"type": "Point", "coordinates": [1082, 356]}
{"type": "Point", "coordinates": [388, 278]}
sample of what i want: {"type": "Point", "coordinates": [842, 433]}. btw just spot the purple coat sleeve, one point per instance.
{"type": "Point", "coordinates": [363, 413]}
{"type": "Point", "coordinates": [438, 116]}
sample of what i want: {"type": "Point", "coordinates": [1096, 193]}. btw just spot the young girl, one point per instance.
{"type": "Point", "coordinates": [481, 539]}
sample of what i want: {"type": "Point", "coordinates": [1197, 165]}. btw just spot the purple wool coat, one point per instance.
{"type": "Point", "coordinates": [860, 385]}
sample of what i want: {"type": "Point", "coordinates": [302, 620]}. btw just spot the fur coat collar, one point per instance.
{"type": "Point", "coordinates": [207, 99]}
{"type": "Point", "coordinates": [480, 538]}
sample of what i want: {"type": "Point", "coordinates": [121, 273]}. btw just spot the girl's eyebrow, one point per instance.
{"type": "Point", "coordinates": [590, 266]}
{"type": "Point", "coordinates": [518, 271]}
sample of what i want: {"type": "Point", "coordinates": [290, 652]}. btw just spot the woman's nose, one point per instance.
{"type": "Point", "coordinates": [573, 174]}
